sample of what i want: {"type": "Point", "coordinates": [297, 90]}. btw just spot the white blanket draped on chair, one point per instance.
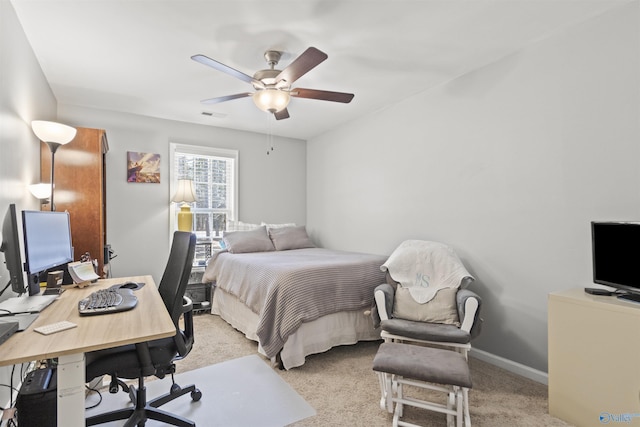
{"type": "Point", "coordinates": [425, 267]}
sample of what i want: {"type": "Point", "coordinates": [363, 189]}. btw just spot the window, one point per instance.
{"type": "Point", "coordinates": [214, 175]}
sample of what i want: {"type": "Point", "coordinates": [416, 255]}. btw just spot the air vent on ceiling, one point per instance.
{"type": "Point", "coordinates": [213, 114]}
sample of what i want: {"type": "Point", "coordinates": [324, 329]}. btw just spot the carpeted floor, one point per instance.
{"type": "Point", "coordinates": [343, 389]}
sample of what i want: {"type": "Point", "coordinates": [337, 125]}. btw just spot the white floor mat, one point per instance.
{"type": "Point", "coordinates": [243, 392]}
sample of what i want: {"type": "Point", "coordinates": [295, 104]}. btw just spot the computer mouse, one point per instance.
{"type": "Point", "coordinates": [130, 285]}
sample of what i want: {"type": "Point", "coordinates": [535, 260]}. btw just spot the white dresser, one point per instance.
{"type": "Point", "coordinates": [594, 359]}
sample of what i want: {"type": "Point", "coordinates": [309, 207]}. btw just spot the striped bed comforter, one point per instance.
{"type": "Point", "coordinates": [287, 288]}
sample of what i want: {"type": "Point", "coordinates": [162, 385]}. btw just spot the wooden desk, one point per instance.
{"type": "Point", "coordinates": [149, 320]}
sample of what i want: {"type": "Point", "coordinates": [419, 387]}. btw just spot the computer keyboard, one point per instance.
{"type": "Point", "coordinates": [106, 301]}
{"type": "Point", "coordinates": [55, 327]}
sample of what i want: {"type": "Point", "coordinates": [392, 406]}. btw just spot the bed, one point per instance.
{"type": "Point", "coordinates": [291, 297]}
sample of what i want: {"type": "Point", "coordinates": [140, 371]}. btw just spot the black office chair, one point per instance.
{"type": "Point", "coordinates": [154, 357]}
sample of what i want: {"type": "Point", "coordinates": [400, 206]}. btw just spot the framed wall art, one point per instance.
{"type": "Point", "coordinates": [143, 167]}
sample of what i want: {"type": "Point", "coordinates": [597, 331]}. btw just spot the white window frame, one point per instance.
{"type": "Point", "coordinates": [204, 151]}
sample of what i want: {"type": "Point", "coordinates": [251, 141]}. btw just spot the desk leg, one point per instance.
{"type": "Point", "coordinates": [71, 390]}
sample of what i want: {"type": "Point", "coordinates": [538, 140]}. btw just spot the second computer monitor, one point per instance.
{"type": "Point", "coordinates": [47, 243]}
{"type": "Point", "coordinates": [11, 249]}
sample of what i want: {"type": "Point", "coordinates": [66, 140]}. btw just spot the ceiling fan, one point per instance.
{"type": "Point", "coordinates": [273, 87]}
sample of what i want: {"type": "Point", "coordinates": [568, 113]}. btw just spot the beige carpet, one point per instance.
{"type": "Point", "coordinates": [343, 389]}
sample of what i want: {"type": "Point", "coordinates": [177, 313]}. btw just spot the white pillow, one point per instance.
{"type": "Point", "coordinates": [241, 226]}
{"type": "Point", "coordinates": [286, 224]}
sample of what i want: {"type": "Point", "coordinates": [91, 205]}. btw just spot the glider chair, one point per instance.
{"type": "Point", "coordinates": [156, 357]}
{"type": "Point", "coordinates": [442, 313]}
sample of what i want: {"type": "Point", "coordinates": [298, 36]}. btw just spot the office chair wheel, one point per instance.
{"type": "Point", "coordinates": [175, 388]}
{"type": "Point", "coordinates": [196, 395]}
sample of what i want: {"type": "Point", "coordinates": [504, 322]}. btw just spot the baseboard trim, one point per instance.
{"type": "Point", "coordinates": [511, 366]}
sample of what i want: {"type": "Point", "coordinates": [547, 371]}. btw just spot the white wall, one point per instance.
{"type": "Point", "coordinates": [25, 95]}
{"type": "Point", "coordinates": [508, 164]}
{"type": "Point", "coordinates": [272, 187]}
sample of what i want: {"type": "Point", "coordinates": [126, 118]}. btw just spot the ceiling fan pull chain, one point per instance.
{"type": "Point", "coordinates": [269, 136]}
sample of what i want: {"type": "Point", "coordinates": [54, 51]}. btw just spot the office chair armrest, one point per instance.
{"type": "Point", "coordinates": [184, 338]}
{"type": "Point", "coordinates": [187, 312]}
{"type": "Point", "coordinates": [469, 304]}
{"type": "Point", "coordinates": [383, 295]}
{"type": "Point", "coordinates": [187, 304]}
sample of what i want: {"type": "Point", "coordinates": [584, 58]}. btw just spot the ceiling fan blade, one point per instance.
{"type": "Point", "coordinates": [225, 98]}
{"type": "Point", "coordinates": [323, 95]}
{"type": "Point", "coordinates": [308, 60]}
{"type": "Point", "coordinates": [221, 67]}
{"type": "Point", "coordinates": [282, 114]}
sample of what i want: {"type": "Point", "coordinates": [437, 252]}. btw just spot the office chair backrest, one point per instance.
{"type": "Point", "coordinates": [176, 274]}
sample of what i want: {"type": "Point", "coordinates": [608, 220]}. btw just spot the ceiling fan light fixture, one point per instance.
{"type": "Point", "coordinates": [272, 87]}
{"type": "Point", "coordinates": [271, 100]}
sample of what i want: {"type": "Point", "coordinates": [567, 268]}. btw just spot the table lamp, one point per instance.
{"type": "Point", "coordinates": [185, 194]}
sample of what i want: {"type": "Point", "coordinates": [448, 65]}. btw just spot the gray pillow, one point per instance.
{"type": "Point", "coordinates": [256, 240]}
{"type": "Point", "coordinates": [286, 238]}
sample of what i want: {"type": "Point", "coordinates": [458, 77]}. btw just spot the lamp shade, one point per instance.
{"type": "Point", "coordinates": [53, 132]}
{"type": "Point", "coordinates": [185, 192]}
{"type": "Point", "coordinates": [271, 100]}
{"type": "Point", "coordinates": [40, 191]}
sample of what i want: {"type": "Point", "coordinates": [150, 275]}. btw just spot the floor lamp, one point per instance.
{"type": "Point", "coordinates": [54, 135]}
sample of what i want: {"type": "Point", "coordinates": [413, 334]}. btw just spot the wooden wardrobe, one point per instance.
{"type": "Point", "coordinates": [80, 189]}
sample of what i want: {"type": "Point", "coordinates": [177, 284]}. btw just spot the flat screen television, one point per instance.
{"type": "Point", "coordinates": [616, 257]}
{"type": "Point", "coordinates": [11, 250]}
{"type": "Point", "coordinates": [47, 241]}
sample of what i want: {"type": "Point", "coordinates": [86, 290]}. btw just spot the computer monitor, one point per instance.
{"type": "Point", "coordinates": [47, 243]}
{"type": "Point", "coordinates": [11, 249]}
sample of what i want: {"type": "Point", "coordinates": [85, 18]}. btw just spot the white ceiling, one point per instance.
{"type": "Point", "coordinates": [134, 56]}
